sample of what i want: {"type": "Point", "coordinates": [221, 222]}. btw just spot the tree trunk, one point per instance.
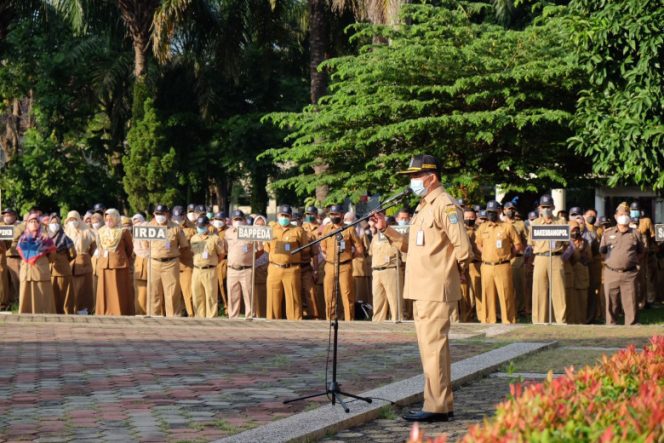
{"type": "Point", "coordinates": [140, 49]}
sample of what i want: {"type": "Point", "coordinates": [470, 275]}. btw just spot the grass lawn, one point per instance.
{"type": "Point", "coordinates": [556, 360]}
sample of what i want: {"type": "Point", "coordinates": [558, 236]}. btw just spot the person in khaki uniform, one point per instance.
{"type": "Point", "coordinates": [529, 264]}
{"type": "Point", "coordinates": [577, 258]}
{"type": "Point", "coordinates": [385, 279]}
{"type": "Point", "coordinates": [219, 227]}
{"type": "Point", "coordinates": [186, 259]}
{"type": "Point", "coordinates": [5, 302]}
{"type": "Point", "coordinates": [207, 249]}
{"type": "Point", "coordinates": [542, 252]}
{"type": "Point", "coordinates": [36, 249]}
{"type": "Point", "coordinates": [499, 243]}
{"type": "Point", "coordinates": [622, 249]}
{"type": "Point", "coordinates": [13, 259]}
{"type": "Point", "coordinates": [523, 304]}
{"type": "Point", "coordinates": [114, 285]}
{"type": "Point", "coordinates": [241, 254]}
{"type": "Point", "coordinates": [471, 288]}
{"type": "Point", "coordinates": [592, 235]}
{"type": "Point", "coordinates": [649, 277]}
{"type": "Point", "coordinates": [141, 264]}
{"type": "Point", "coordinates": [164, 267]}
{"type": "Point", "coordinates": [61, 274]}
{"type": "Point", "coordinates": [361, 264]}
{"type": "Point", "coordinates": [283, 273]}
{"type": "Point", "coordinates": [309, 269]}
{"type": "Point", "coordinates": [81, 264]}
{"type": "Point", "coordinates": [351, 247]}
{"type": "Point", "coordinates": [260, 279]}
{"type": "Point", "coordinates": [438, 251]}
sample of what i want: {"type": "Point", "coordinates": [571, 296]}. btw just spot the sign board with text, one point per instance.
{"type": "Point", "coordinates": [659, 233]}
{"type": "Point", "coordinates": [550, 232]}
{"type": "Point", "coordinates": [149, 233]}
{"type": "Point", "coordinates": [6, 232]}
{"type": "Point", "coordinates": [254, 233]}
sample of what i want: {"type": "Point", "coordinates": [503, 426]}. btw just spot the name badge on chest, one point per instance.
{"type": "Point", "coordinates": [245, 249]}
{"type": "Point", "coordinates": [167, 244]}
{"type": "Point", "coordinates": [205, 255]}
{"type": "Point", "coordinates": [499, 244]}
{"type": "Point", "coordinates": [419, 238]}
{"type": "Point", "coordinates": [342, 245]}
{"type": "Point", "coordinates": [287, 247]}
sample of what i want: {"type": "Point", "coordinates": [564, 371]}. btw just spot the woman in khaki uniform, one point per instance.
{"type": "Point", "coordinates": [81, 265]}
{"type": "Point", "coordinates": [36, 249]}
{"type": "Point", "coordinates": [260, 276]}
{"type": "Point", "coordinates": [114, 285]}
{"type": "Point", "coordinates": [577, 258]}
{"type": "Point", "coordinates": [61, 275]}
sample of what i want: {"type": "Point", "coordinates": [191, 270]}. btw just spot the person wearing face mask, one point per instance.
{"type": "Point", "coordinates": [523, 304]}
{"type": "Point", "coordinates": [592, 234]}
{"type": "Point", "coordinates": [218, 226]}
{"type": "Point", "coordinates": [471, 289]}
{"type": "Point", "coordinates": [542, 251]}
{"type": "Point", "coordinates": [351, 247]}
{"type": "Point", "coordinates": [141, 264]}
{"type": "Point", "coordinates": [438, 253]}
{"type": "Point", "coordinates": [498, 242]}
{"type": "Point", "coordinates": [207, 249]}
{"type": "Point", "coordinates": [81, 265]}
{"type": "Point", "coordinates": [403, 217]}
{"type": "Point", "coordinates": [385, 279]}
{"type": "Point", "coordinates": [361, 264]}
{"type": "Point", "coordinates": [312, 307]}
{"type": "Point", "coordinates": [260, 277]}
{"type": "Point", "coordinates": [61, 274]}
{"type": "Point", "coordinates": [87, 219]}
{"type": "Point", "coordinates": [36, 249]}
{"type": "Point", "coordinates": [283, 274]}
{"type": "Point", "coordinates": [529, 264]}
{"type": "Point", "coordinates": [9, 287]}
{"type": "Point", "coordinates": [96, 223]}
{"type": "Point", "coordinates": [622, 249]}
{"type": "Point", "coordinates": [577, 258]}
{"type": "Point", "coordinates": [186, 259]}
{"type": "Point", "coordinates": [165, 290]}
{"type": "Point", "coordinates": [238, 280]}
{"type": "Point", "coordinates": [647, 281]}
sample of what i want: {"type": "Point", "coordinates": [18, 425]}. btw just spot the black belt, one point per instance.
{"type": "Point", "coordinates": [477, 261]}
{"type": "Point", "coordinates": [341, 263]}
{"type": "Point", "coordinates": [239, 268]}
{"type": "Point", "coordinates": [519, 255]}
{"type": "Point", "coordinates": [164, 260]}
{"type": "Point", "coordinates": [633, 268]}
{"type": "Point", "coordinates": [495, 263]}
{"type": "Point", "coordinates": [384, 268]}
{"type": "Point", "coordinates": [13, 256]}
{"type": "Point", "coordinates": [205, 267]}
{"type": "Point", "coordinates": [289, 265]}
{"type": "Point", "coordinates": [547, 254]}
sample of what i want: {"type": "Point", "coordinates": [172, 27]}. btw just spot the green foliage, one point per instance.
{"type": "Point", "coordinates": [619, 120]}
{"type": "Point", "coordinates": [493, 105]}
{"type": "Point", "coordinates": [150, 163]}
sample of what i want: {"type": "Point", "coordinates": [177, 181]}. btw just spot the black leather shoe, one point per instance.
{"type": "Point", "coordinates": [427, 416]}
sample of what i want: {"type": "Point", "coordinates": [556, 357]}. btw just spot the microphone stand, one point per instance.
{"type": "Point", "coordinates": [333, 389]}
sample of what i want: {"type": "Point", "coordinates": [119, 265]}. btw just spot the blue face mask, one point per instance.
{"type": "Point", "coordinates": [201, 230]}
{"type": "Point", "coordinates": [635, 214]}
{"type": "Point", "coordinates": [417, 186]}
{"type": "Point", "coordinates": [210, 215]}
{"type": "Point", "coordinates": [402, 222]}
{"type": "Point", "coordinates": [284, 221]}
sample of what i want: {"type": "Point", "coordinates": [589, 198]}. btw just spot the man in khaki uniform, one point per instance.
{"type": "Point", "coordinates": [10, 272]}
{"type": "Point", "coordinates": [283, 273]}
{"type": "Point", "coordinates": [471, 288]}
{"type": "Point", "coordinates": [219, 227]}
{"type": "Point", "coordinates": [385, 279]}
{"type": "Point", "coordinates": [207, 249]}
{"type": "Point", "coordinates": [164, 267]}
{"type": "Point", "coordinates": [403, 219]}
{"type": "Point", "coordinates": [499, 243]}
{"type": "Point", "coordinates": [309, 270]}
{"type": "Point", "coordinates": [186, 259]}
{"type": "Point", "coordinates": [351, 247]}
{"type": "Point", "coordinates": [523, 304]}
{"type": "Point", "coordinates": [240, 258]}
{"type": "Point", "coordinates": [542, 252]}
{"type": "Point", "coordinates": [438, 250]}
{"type": "Point", "coordinates": [141, 264]}
{"type": "Point", "coordinates": [622, 249]}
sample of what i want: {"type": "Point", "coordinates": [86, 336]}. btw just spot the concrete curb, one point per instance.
{"type": "Point", "coordinates": [313, 425]}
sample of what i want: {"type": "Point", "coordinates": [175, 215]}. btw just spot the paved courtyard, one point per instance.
{"type": "Point", "coordinates": [134, 379]}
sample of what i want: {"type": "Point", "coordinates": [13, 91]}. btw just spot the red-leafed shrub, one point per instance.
{"type": "Point", "coordinates": [620, 399]}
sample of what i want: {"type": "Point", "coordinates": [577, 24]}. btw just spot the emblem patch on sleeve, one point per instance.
{"type": "Point", "coordinates": [452, 215]}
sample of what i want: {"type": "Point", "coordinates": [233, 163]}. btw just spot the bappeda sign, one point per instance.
{"type": "Point", "coordinates": [254, 233]}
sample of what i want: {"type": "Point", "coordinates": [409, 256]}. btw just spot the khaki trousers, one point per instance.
{"type": "Point", "coordinates": [432, 323]}
{"type": "Point", "coordinates": [204, 292]}
{"type": "Point", "coordinates": [222, 269]}
{"type": "Point", "coordinates": [541, 290]}
{"type": "Point", "coordinates": [282, 281]}
{"type": "Point", "coordinates": [471, 295]}
{"type": "Point", "coordinates": [83, 296]}
{"type": "Point", "coordinates": [497, 283]}
{"type": "Point", "coordinates": [238, 283]}
{"type": "Point", "coordinates": [64, 296]}
{"type": "Point", "coordinates": [519, 284]}
{"type": "Point", "coordinates": [385, 288]}
{"type": "Point", "coordinates": [346, 291]}
{"type": "Point", "coordinates": [165, 288]}
{"type": "Point", "coordinates": [185, 284]}
{"type": "Point", "coordinates": [309, 292]}
{"type": "Point", "coordinates": [620, 291]}
{"type": "Point", "coordinates": [13, 269]}
{"type": "Point", "coordinates": [260, 297]}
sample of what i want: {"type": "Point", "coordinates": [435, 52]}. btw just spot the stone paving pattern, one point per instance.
{"type": "Point", "coordinates": [472, 404]}
{"type": "Point", "coordinates": [132, 379]}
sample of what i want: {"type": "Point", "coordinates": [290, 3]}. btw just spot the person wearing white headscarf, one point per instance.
{"type": "Point", "coordinates": [84, 244]}
{"type": "Point", "coordinates": [260, 276]}
{"type": "Point", "coordinates": [115, 295]}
